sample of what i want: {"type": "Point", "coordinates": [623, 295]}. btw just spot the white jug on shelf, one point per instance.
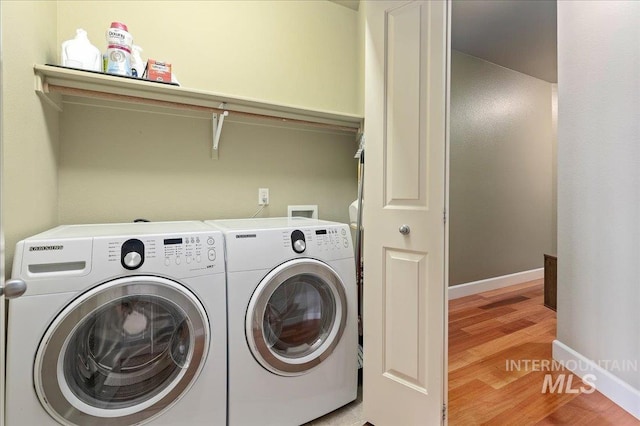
{"type": "Point", "coordinates": [80, 53]}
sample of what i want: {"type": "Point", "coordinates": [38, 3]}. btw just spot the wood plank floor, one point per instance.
{"type": "Point", "coordinates": [488, 334]}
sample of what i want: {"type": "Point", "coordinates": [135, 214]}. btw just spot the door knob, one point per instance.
{"type": "Point", "coordinates": [13, 288]}
{"type": "Point", "coordinates": [404, 229]}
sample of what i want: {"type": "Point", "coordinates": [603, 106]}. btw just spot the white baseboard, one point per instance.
{"type": "Point", "coordinates": [617, 390]}
{"type": "Point", "coordinates": [476, 287]}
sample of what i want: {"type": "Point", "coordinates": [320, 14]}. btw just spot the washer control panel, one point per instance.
{"type": "Point", "coordinates": [189, 250]}
{"type": "Point", "coordinates": [186, 252]}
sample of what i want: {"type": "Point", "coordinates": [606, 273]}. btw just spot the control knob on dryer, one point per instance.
{"type": "Point", "coordinates": [299, 246]}
{"type": "Point", "coordinates": [298, 242]}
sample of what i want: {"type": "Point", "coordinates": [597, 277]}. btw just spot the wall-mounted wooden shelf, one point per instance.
{"type": "Point", "coordinates": [57, 85]}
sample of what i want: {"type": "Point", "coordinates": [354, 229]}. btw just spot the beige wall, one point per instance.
{"type": "Point", "coordinates": [501, 193]}
{"type": "Point", "coordinates": [362, 23]}
{"type": "Point", "coordinates": [291, 52]}
{"type": "Point", "coordinates": [598, 189]}
{"type": "Point", "coordinates": [159, 166]}
{"type": "Point", "coordinates": [29, 129]}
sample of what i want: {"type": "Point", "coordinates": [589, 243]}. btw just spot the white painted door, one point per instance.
{"type": "Point", "coordinates": [2, 271]}
{"type": "Point", "coordinates": [2, 322]}
{"type": "Point", "coordinates": [404, 253]}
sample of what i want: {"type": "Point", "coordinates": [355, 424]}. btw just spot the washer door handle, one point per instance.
{"type": "Point", "coordinates": [13, 288]}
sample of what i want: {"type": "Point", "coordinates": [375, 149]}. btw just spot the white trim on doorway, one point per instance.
{"type": "Point", "coordinates": [475, 287]}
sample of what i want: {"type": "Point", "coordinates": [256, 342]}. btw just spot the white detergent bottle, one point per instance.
{"type": "Point", "coordinates": [119, 43]}
{"type": "Point", "coordinates": [137, 64]}
{"type": "Point", "coordinates": [80, 53]}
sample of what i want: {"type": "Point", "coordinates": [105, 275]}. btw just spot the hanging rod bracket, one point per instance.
{"type": "Point", "coordinates": [217, 120]}
{"type": "Point", "coordinates": [42, 90]}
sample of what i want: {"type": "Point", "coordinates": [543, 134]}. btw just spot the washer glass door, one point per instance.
{"type": "Point", "coordinates": [122, 353]}
{"type": "Point", "coordinates": [296, 316]}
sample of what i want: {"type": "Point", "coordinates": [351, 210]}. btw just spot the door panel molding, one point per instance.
{"type": "Point", "coordinates": [402, 119]}
{"type": "Point", "coordinates": [405, 316]}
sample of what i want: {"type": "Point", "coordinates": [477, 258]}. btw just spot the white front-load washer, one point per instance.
{"type": "Point", "coordinates": [120, 324]}
{"type": "Point", "coordinates": [292, 321]}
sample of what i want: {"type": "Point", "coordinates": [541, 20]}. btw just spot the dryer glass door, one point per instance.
{"type": "Point", "coordinates": [122, 353]}
{"type": "Point", "coordinates": [296, 316]}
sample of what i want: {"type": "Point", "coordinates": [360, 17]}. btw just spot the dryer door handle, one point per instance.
{"type": "Point", "coordinates": [13, 288]}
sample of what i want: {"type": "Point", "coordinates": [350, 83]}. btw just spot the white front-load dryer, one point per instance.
{"type": "Point", "coordinates": [120, 324]}
{"type": "Point", "coordinates": [292, 319]}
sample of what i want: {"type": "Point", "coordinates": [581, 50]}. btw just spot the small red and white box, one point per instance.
{"type": "Point", "coordinates": [158, 71]}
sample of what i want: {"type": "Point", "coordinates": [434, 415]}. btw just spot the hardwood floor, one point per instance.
{"type": "Point", "coordinates": [499, 342]}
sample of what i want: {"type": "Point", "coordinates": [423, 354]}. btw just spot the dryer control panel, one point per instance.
{"type": "Point", "coordinates": [263, 243]}
{"type": "Point", "coordinates": [333, 238]}
{"type": "Point", "coordinates": [333, 241]}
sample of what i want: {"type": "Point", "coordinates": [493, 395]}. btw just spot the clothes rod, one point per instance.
{"type": "Point", "coordinates": [52, 88]}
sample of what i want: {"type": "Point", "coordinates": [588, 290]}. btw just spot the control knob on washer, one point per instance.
{"type": "Point", "coordinates": [132, 259]}
{"type": "Point", "coordinates": [132, 254]}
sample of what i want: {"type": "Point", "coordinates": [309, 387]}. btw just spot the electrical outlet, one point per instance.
{"type": "Point", "coordinates": [263, 196]}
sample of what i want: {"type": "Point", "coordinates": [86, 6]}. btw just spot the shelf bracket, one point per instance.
{"type": "Point", "coordinates": [51, 99]}
{"type": "Point", "coordinates": [217, 120]}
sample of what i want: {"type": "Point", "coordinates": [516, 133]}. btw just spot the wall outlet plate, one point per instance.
{"type": "Point", "coordinates": [263, 196]}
